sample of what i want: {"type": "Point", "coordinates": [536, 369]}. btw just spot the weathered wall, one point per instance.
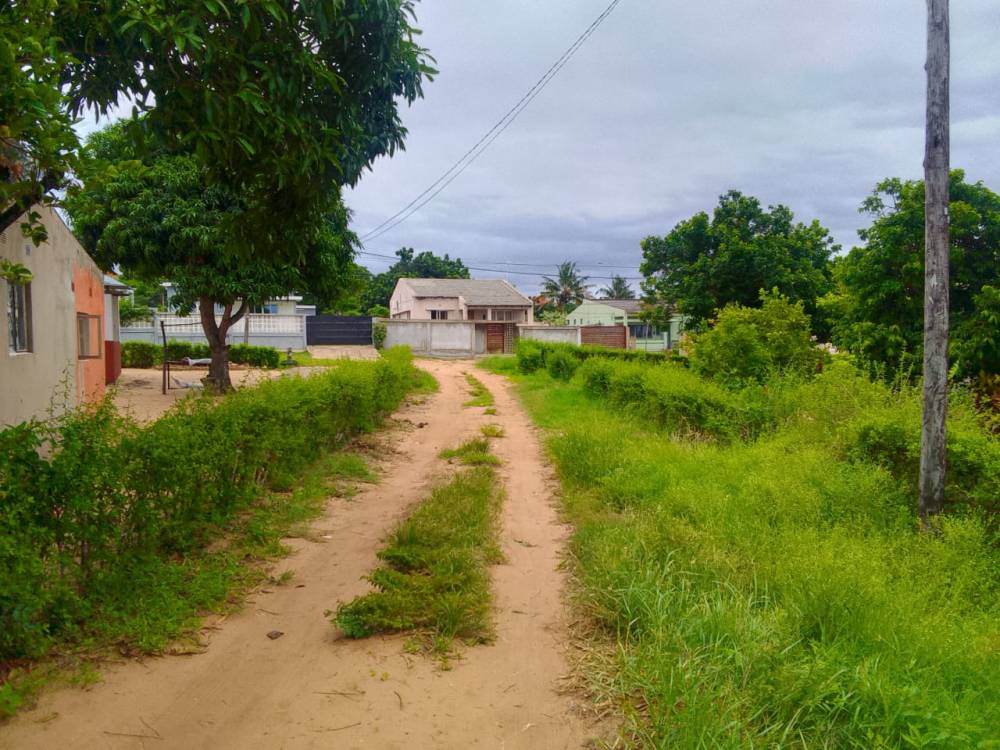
{"type": "Point", "coordinates": [47, 375]}
{"type": "Point", "coordinates": [551, 334]}
{"type": "Point", "coordinates": [88, 290]}
{"type": "Point", "coordinates": [436, 338]}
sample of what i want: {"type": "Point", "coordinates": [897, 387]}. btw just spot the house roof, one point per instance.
{"type": "Point", "coordinates": [630, 306]}
{"type": "Point", "coordinates": [475, 292]}
{"type": "Point", "coordinates": [114, 287]}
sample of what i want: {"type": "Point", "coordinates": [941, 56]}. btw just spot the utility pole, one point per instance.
{"type": "Point", "coordinates": [933, 457]}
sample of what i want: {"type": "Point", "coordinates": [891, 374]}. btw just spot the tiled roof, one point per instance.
{"type": "Point", "coordinates": [631, 306]}
{"type": "Point", "coordinates": [475, 292]}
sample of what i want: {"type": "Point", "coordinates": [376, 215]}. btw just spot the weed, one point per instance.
{"type": "Point", "coordinates": [480, 394]}
{"type": "Point", "coordinates": [491, 430]}
{"type": "Point", "coordinates": [490, 411]}
{"type": "Point", "coordinates": [474, 452]}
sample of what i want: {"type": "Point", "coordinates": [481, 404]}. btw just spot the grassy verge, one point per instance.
{"type": "Point", "coordinates": [159, 603]}
{"type": "Point", "coordinates": [774, 592]}
{"type": "Point", "coordinates": [435, 573]}
{"type": "Point", "coordinates": [481, 395]}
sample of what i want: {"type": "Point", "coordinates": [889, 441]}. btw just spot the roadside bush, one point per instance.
{"type": "Point", "coordinates": [177, 350]}
{"type": "Point", "coordinates": [141, 354]}
{"type": "Point", "coordinates": [379, 332]}
{"type": "Point", "coordinates": [255, 356]}
{"type": "Point", "coordinates": [90, 499]}
{"type": "Point", "coordinates": [529, 356]}
{"type": "Point", "coordinates": [561, 365]}
{"type": "Point", "coordinates": [747, 345]}
{"type": "Point", "coordinates": [596, 375]}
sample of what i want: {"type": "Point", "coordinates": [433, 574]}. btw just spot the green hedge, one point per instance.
{"type": "Point", "coordinates": [86, 499]}
{"type": "Point", "coordinates": [675, 398]}
{"type": "Point", "coordinates": [144, 354]}
{"type": "Point", "coordinates": [533, 355]}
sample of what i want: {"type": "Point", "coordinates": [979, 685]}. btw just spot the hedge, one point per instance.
{"type": "Point", "coordinates": [85, 499]}
{"type": "Point", "coordinates": [533, 355]}
{"type": "Point", "coordinates": [144, 354]}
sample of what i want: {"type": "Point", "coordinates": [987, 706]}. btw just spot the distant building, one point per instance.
{"type": "Point", "coordinates": [487, 300]}
{"type": "Point", "coordinates": [627, 312]}
{"type": "Point", "coordinates": [53, 348]}
{"type": "Point", "coordinates": [290, 304]}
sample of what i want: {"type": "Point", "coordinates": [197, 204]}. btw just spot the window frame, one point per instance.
{"type": "Point", "coordinates": [14, 343]}
{"type": "Point", "coordinates": [439, 314]}
{"type": "Point", "coordinates": [97, 328]}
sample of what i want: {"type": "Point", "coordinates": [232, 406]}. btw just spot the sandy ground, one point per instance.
{"type": "Point", "coordinates": [344, 352]}
{"type": "Point", "coordinates": [311, 688]}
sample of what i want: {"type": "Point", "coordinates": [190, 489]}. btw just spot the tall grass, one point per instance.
{"type": "Point", "coordinates": [776, 592]}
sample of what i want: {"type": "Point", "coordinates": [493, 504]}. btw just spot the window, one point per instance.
{"type": "Point", "coordinates": [269, 308]}
{"type": "Point", "coordinates": [439, 315]}
{"type": "Point", "coordinates": [509, 315]}
{"type": "Point", "coordinates": [88, 336]}
{"type": "Point", "coordinates": [19, 317]}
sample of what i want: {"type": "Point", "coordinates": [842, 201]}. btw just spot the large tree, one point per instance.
{"type": "Point", "coordinates": [161, 217]}
{"type": "Point", "coordinates": [880, 297]}
{"type": "Point", "coordinates": [567, 287]}
{"type": "Point", "coordinates": [413, 265]}
{"type": "Point", "coordinates": [281, 102]}
{"type": "Point", "coordinates": [706, 263]}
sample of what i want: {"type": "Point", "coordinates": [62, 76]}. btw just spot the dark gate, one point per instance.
{"type": "Point", "coordinates": [338, 329]}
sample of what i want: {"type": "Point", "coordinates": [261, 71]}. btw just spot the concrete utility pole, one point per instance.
{"type": "Point", "coordinates": [933, 457]}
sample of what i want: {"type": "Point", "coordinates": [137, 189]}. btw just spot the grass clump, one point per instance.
{"type": "Point", "coordinates": [479, 392]}
{"type": "Point", "coordinates": [435, 578]}
{"type": "Point", "coordinates": [778, 592]}
{"type": "Point", "coordinates": [474, 452]}
{"type": "Point", "coordinates": [492, 430]}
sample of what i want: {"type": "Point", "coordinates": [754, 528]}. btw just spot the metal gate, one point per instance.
{"type": "Point", "coordinates": [338, 329]}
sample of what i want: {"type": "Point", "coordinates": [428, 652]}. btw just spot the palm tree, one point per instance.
{"type": "Point", "coordinates": [567, 288]}
{"type": "Point", "coordinates": [618, 289]}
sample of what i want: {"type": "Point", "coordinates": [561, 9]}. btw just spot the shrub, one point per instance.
{"type": "Point", "coordinates": [89, 499]}
{"type": "Point", "coordinates": [141, 354]}
{"type": "Point", "coordinates": [379, 332]}
{"type": "Point", "coordinates": [255, 356]}
{"type": "Point", "coordinates": [561, 365]}
{"type": "Point", "coordinates": [596, 375]}
{"type": "Point", "coordinates": [529, 356]}
{"type": "Point", "coordinates": [750, 344]}
{"type": "Point", "coordinates": [177, 350]}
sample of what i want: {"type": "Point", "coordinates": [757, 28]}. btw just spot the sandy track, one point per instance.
{"type": "Point", "coordinates": [311, 689]}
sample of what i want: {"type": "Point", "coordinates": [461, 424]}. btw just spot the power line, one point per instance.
{"type": "Point", "coordinates": [491, 135]}
{"type": "Point", "coordinates": [598, 264]}
{"type": "Point", "coordinates": [535, 274]}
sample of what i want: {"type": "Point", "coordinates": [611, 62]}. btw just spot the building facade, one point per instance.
{"type": "Point", "coordinates": [52, 344]}
{"type": "Point", "coordinates": [627, 312]}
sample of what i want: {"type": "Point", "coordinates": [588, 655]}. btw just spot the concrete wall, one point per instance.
{"type": "Point", "coordinates": [88, 289]}
{"type": "Point", "coordinates": [32, 381]}
{"type": "Point", "coordinates": [436, 338]}
{"type": "Point", "coordinates": [551, 334]}
{"type": "Point", "coordinates": [278, 331]}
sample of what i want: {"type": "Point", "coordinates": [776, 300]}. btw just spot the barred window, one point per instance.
{"type": "Point", "coordinates": [19, 317]}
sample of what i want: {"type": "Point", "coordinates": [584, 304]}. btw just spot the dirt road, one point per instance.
{"type": "Point", "coordinates": [312, 689]}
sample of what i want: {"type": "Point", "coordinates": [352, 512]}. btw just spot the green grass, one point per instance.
{"type": "Point", "coordinates": [160, 602]}
{"type": "Point", "coordinates": [480, 394]}
{"type": "Point", "coordinates": [492, 430]}
{"type": "Point", "coordinates": [776, 592]}
{"type": "Point", "coordinates": [434, 578]}
{"type": "Point", "coordinates": [474, 452]}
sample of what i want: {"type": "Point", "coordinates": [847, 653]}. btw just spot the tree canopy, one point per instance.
{"type": "Point", "coordinates": [160, 217]}
{"type": "Point", "coordinates": [411, 264]}
{"type": "Point", "coordinates": [877, 308]}
{"type": "Point", "coordinates": [706, 263]}
{"type": "Point", "coordinates": [618, 289]}
{"type": "Point", "coordinates": [282, 103]}
{"type": "Point", "coordinates": [567, 287]}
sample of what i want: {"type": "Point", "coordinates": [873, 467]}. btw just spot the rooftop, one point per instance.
{"type": "Point", "coordinates": [475, 292]}
{"type": "Point", "coordinates": [631, 306]}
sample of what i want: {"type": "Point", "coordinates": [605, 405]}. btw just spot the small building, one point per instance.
{"type": "Point", "coordinates": [494, 305]}
{"type": "Point", "coordinates": [52, 352]}
{"type": "Point", "coordinates": [627, 312]}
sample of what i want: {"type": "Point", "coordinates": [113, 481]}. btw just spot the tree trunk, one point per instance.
{"type": "Point", "coordinates": [218, 379]}
{"type": "Point", "coordinates": [933, 456]}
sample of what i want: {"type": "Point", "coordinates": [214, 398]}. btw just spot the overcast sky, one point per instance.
{"type": "Point", "coordinates": [803, 102]}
